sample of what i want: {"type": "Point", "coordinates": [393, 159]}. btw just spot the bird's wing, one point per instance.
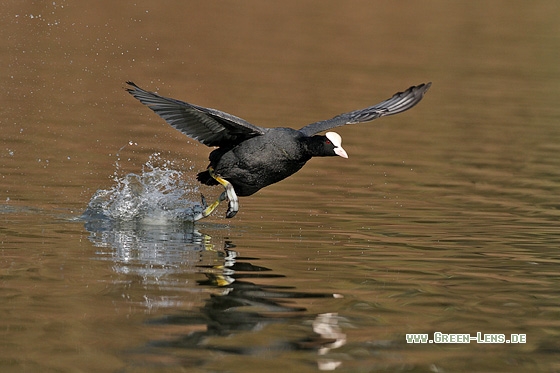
{"type": "Point", "coordinates": [211, 127]}
{"type": "Point", "coordinates": [400, 102]}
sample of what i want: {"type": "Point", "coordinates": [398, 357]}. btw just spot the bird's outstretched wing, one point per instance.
{"type": "Point", "coordinates": [400, 102]}
{"type": "Point", "coordinates": [211, 127]}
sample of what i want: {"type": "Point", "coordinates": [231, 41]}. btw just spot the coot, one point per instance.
{"type": "Point", "coordinates": [249, 157]}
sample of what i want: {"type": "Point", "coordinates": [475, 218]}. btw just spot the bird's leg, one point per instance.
{"type": "Point", "coordinates": [228, 194]}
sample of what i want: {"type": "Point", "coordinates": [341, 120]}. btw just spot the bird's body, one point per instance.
{"type": "Point", "coordinates": [260, 161]}
{"type": "Point", "coordinates": [249, 158]}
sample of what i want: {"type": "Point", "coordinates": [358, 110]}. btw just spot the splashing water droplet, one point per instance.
{"type": "Point", "coordinates": [158, 195]}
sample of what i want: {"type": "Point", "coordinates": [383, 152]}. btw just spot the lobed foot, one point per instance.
{"type": "Point", "coordinates": [233, 205]}
{"type": "Point", "coordinates": [209, 209]}
{"type": "Point", "coordinates": [230, 212]}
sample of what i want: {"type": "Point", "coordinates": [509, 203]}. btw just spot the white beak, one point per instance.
{"type": "Point", "coordinates": [340, 152]}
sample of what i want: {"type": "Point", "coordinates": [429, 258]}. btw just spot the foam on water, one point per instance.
{"type": "Point", "coordinates": [159, 195]}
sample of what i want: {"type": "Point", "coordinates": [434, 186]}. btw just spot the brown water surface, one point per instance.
{"type": "Point", "coordinates": [443, 219]}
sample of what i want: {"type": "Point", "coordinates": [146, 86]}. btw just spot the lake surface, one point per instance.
{"type": "Point", "coordinates": [444, 219]}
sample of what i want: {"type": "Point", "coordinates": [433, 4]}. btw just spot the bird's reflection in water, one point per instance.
{"type": "Point", "coordinates": [245, 306]}
{"type": "Point", "coordinates": [240, 316]}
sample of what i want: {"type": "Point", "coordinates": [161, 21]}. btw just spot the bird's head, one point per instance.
{"type": "Point", "coordinates": [333, 143]}
{"type": "Point", "coordinates": [327, 145]}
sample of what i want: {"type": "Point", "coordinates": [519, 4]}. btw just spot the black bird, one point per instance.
{"type": "Point", "coordinates": [249, 157]}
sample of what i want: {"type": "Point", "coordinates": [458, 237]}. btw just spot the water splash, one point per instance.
{"type": "Point", "coordinates": [159, 195]}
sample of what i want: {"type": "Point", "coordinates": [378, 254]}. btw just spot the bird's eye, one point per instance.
{"type": "Point", "coordinates": [328, 141]}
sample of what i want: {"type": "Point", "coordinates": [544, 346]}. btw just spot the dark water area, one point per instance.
{"type": "Point", "coordinates": [444, 219]}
